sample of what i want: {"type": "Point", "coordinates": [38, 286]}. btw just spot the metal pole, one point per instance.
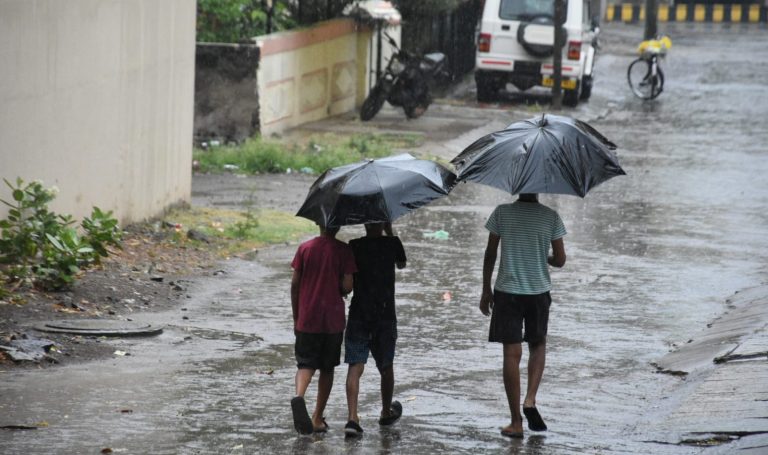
{"type": "Point", "coordinates": [270, 12]}
{"type": "Point", "coordinates": [651, 16]}
{"type": "Point", "coordinates": [378, 51]}
{"type": "Point", "coordinates": [557, 58]}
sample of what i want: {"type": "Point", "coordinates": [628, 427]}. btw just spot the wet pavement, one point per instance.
{"type": "Point", "coordinates": [652, 258]}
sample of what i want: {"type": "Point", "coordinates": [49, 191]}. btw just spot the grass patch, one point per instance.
{"type": "Point", "coordinates": [233, 231]}
{"type": "Point", "coordinates": [312, 155]}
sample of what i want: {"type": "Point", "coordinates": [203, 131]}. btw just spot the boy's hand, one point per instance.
{"type": "Point", "coordinates": [486, 302]}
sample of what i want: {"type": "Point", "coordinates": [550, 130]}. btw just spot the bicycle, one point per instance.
{"type": "Point", "coordinates": [644, 74]}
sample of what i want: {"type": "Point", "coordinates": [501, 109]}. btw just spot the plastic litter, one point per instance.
{"type": "Point", "coordinates": [437, 235]}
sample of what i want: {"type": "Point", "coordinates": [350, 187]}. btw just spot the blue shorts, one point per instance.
{"type": "Point", "coordinates": [376, 337]}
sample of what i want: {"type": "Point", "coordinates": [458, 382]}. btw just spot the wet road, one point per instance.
{"type": "Point", "coordinates": [651, 258]}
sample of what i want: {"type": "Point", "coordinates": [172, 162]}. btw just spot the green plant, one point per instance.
{"type": "Point", "coordinates": [62, 258]}
{"type": "Point", "coordinates": [39, 246]}
{"type": "Point", "coordinates": [23, 233]}
{"type": "Point", "coordinates": [101, 230]}
{"type": "Point", "coordinates": [233, 21]}
{"type": "Point", "coordinates": [242, 229]}
{"type": "Point", "coordinates": [260, 155]}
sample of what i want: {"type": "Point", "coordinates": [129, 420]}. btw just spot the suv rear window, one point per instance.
{"type": "Point", "coordinates": [525, 10]}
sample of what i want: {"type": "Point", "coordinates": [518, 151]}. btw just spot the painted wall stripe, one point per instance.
{"type": "Point", "coordinates": [699, 12]}
{"type": "Point", "coordinates": [717, 13]}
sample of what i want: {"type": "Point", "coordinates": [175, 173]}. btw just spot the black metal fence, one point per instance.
{"type": "Point", "coordinates": [453, 34]}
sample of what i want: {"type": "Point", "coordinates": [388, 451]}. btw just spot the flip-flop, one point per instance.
{"type": "Point", "coordinates": [395, 412]}
{"type": "Point", "coordinates": [535, 422]}
{"type": "Point", "coordinates": [301, 420]}
{"type": "Point", "coordinates": [323, 429]}
{"type": "Point", "coordinates": [353, 429]}
{"type": "Point", "coordinates": [512, 434]}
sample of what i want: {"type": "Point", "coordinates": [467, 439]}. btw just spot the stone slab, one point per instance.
{"type": "Point", "coordinates": [100, 328]}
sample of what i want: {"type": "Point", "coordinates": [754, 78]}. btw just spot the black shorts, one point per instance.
{"type": "Point", "coordinates": [318, 351]}
{"type": "Point", "coordinates": [512, 311]}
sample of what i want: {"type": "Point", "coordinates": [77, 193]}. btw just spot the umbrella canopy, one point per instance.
{"type": "Point", "coordinates": [375, 191]}
{"type": "Point", "coordinates": [548, 154]}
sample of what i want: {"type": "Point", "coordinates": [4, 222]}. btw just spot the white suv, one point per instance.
{"type": "Point", "coordinates": [516, 43]}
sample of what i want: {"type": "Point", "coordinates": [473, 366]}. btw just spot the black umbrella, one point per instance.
{"type": "Point", "coordinates": [374, 191]}
{"type": "Point", "coordinates": [548, 154]}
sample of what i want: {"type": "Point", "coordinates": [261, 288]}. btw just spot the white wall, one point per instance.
{"type": "Point", "coordinates": [309, 74]}
{"type": "Point", "coordinates": [96, 97]}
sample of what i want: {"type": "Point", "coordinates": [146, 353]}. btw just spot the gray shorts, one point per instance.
{"type": "Point", "coordinates": [513, 312]}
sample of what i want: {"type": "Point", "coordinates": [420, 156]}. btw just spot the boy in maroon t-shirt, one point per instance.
{"type": "Point", "coordinates": [322, 274]}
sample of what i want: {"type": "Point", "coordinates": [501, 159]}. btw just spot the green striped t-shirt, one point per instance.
{"type": "Point", "coordinates": [526, 230]}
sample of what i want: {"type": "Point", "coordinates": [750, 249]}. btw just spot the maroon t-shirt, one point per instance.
{"type": "Point", "coordinates": [322, 262]}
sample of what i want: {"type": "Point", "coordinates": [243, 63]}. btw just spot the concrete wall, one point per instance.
{"type": "Point", "coordinates": [226, 96]}
{"type": "Point", "coordinates": [310, 74]}
{"type": "Point", "coordinates": [96, 97]}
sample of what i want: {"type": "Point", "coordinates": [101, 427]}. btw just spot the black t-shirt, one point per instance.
{"type": "Point", "coordinates": [374, 291]}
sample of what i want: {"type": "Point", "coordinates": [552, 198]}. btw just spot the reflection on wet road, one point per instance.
{"type": "Point", "coordinates": [651, 258]}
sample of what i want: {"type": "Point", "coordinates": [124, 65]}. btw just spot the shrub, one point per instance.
{"type": "Point", "coordinates": [41, 247]}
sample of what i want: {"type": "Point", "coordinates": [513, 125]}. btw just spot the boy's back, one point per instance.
{"type": "Point", "coordinates": [322, 262]}
{"type": "Point", "coordinates": [374, 284]}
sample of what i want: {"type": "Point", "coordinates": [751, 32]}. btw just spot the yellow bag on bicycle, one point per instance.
{"type": "Point", "coordinates": [655, 46]}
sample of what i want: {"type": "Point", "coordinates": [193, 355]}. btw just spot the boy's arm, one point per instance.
{"type": "Point", "coordinates": [295, 285]}
{"type": "Point", "coordinates": [489, 262]}
{"type": "Point", "coordinates": [346, 284]}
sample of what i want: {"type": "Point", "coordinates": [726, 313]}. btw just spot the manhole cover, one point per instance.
{"type": "Point", "coordinates": [100, 328]}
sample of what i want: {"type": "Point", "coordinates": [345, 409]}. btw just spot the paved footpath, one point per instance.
{"type": "Point", "coordinates": [725, 391]}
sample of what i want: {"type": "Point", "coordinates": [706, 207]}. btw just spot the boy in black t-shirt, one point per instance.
{"type": "Point", "coordinates": [372, 324]}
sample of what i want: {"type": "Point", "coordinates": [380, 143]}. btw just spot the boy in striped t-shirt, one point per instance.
{"type": "Point", "coordinates": [525, 230]}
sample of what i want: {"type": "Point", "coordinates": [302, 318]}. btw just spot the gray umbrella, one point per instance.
{"type": "Point", "coordinates": [548, 154]}
{"type": "Point", "coordinates": [374, 191]}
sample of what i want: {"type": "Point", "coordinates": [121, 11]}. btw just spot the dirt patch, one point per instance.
{"type": "Point", "coordinates": [148, 274]}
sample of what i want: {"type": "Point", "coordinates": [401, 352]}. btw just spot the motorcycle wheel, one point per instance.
{"type": "Point", "coordinates": [415, 111]}
{"type": "Point", "coordinates": [373, 103]}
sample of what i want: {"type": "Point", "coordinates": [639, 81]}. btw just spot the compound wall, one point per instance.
{"type": "Point", "coordinates": [96, 98]}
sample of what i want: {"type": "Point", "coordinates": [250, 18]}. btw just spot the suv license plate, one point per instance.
{"type": "Point", "coordinates": [568, 84]}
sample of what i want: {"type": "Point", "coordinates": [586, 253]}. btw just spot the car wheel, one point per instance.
{"type": "Point", "coordinates": [486, 88]}
{"type": "Point", "coordinates": [586, 88]}
{"type": "Point", "coordinates": [536, 50]}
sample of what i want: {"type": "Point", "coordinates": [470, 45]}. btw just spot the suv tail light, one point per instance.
{"type": "Point", "coordinates": [484, 42]}
{"type": "Point", "coordinates": [574, 50]}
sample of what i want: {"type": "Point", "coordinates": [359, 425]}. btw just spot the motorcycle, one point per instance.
{"type": "Point", "coordinates": [404, 82]}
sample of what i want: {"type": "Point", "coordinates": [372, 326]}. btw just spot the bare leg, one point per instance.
{"type": "Point", "coordinates": [512, 355]}
{"type": "Point", "coordinates": [303, 378]}
{"type": "Point", "coordinates": [324, 386]}
{"type": "Point", "coordinates": [387, 390]}
{"type": "Point", "coordinates": [536, 361]}
{"type": "Point", "coordinates": [353, 389]}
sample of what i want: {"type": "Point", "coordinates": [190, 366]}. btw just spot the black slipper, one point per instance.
{"type": "Point", "coordinates": [323, 429]}
{"type": "Point", "coordinates": [512, 434]}
{"type": "Point", "coordinates": [535, 422]}
{"type": "Point", "coordinates": [396, 411]}
{"type": "Point", "coordinates": [301, 420]}
{"type": "Point", "coordinates": [353, 429]}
